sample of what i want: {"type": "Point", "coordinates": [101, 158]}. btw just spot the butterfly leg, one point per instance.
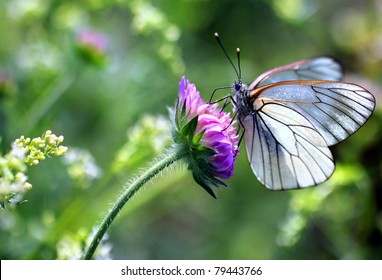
{"type": "Point", "coordinates": [215, 90]}
{"type": "Point", "coordinates": [232, 120]}
{"type": "Point", "coordinates": [224, 105]}
{"type": "Point", "coordinates": [241, 126]}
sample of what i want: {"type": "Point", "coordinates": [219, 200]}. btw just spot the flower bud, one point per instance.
{"type": "Point", "coordinates": [92, 46]}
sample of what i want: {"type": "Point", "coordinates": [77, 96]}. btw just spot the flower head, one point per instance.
{"type": "Point", "coordinates": [207, 134]}
{"type": "Point", "coordinates": [92, 46]}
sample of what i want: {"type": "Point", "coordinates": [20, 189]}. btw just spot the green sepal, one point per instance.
{"type": "Point", "coordinates": [203, 152]}
{"type": "Point", "coordinates": [201, 173]}
{"type": "Point", "coordinates": [183, 116]}
{"type": "Point", "coordinates": [180, 117]}
{"type": "Point", "coordinates": [184, 109]}
{"type": "Point", "coordinates": [174, 114]}
{"type": "Point", "coordinates": [198, 137]}
{"type": "Point", "coordinates": [183, 120]}
{"type": "Point", "coordinates": [189, 129]}
{"type": "Point", "coordinates": [205, 186]}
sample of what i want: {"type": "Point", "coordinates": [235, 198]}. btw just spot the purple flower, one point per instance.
{"type": "Point", "coordinates": [208, 134]}
{"type": "Point", "coordinates": [92, 46]}
{"type": "Point", "coordinates": [93, 39]}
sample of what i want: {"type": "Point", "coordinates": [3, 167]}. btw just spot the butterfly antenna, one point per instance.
{"type": "Point", "coordinates": [226, 54]}
{"type": "Point", "coordinates": [238, 62]}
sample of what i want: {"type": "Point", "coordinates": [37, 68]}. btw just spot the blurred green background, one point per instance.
{"type": "Point", "coordinates": [112, 107]}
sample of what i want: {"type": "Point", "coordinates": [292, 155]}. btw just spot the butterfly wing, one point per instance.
{"type": "Point", "coordinates": [317, 68]}
{"type": "Point", "coordinates": [284, 149]}
{"type": "Point", "coordinates": [293, 123]}
{"type": "Point", "coordinates": [335, 109]}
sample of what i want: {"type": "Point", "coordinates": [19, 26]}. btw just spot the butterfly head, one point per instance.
{"type": "Point", "coordinates": [242, 103]}
{"type": "Point", "coordinates": [239, 88]}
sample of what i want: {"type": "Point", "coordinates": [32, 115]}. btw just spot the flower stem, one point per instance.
{"type": "Point", "coordinates": [154, 170]}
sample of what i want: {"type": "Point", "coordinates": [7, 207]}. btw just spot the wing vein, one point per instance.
{"type": "Point", "coordinates": [318, 121]}
{"type": "Point", "coordinates": [343, 103]}
{"type": "Point", "coordinates": [290, 125]}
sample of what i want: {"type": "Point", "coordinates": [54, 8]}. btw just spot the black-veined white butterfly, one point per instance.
{"type": "Point", "coordinates": [291, 114]}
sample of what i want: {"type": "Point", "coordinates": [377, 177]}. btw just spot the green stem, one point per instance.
{"type": "Point", "coordinates": [154, 170]}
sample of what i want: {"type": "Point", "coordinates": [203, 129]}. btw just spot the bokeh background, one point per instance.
{"type": "Point", "coordinates": [110, 102]}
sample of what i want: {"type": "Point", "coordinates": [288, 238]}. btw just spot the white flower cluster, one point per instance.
{"type": "Point", "coordinates": [24, 152]}
{"type": "Point", "coordinates": [12, 177]}
{"type": "Point", "coordinates": [81, 166]}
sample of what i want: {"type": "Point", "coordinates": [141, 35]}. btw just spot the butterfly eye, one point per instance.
{"type": "Point", "coordinates": [237, 86]}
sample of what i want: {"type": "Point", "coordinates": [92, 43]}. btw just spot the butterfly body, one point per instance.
{"type": "Point", "coordinates": [291, 115]}
{"type": "Point", "coordinates": [243, 100]}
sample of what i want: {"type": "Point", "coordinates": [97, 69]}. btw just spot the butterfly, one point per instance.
{"type": "Point", "coordinates": [292, 114]}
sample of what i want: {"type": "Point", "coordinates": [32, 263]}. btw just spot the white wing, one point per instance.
{"type": "Point", "coordinates": [292, 125]}
{"type": "Point", "coordinates": [318, 68]}
{"type": "Point", "coordinates": [284, 149]}
{"type": "Point", "coordinates": [335, 109]}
